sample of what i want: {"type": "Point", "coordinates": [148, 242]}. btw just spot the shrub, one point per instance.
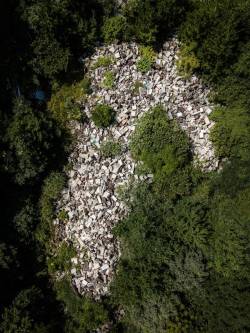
{"type": "Point", "coordinates": [61, 259]}
{"type": "Point", "coordinates": [159, 142]}
{"type": "Point", "coordinates": [187, 61]}
{"type": "Point", "coordinates": [218, 30]}
{"type": "Point", "coordinates": [26, 313]}
{"type": "Point", "coordinates": [103, 115]}
{"type": "Point", "coordinates": [31, 137]}
{"type": "Point", "coordinates": [147, 57]}
{"type": "Point", "coordinates": [230, 219]}
{"type": "Point", "coordinates": [62, 215]}
{"type": "Point", "coordinates": [113, 28]}
{"type": "Point", "coordinates": [110, 149]}
{"type": "Point", "coordinates": [52, 187]}
{"type": "Point", "coordinates": [103, 61]}
{"type": "Point", "coordinates": [86, 85]}
{"type": "Point", "coordinates": [109, 80]}
{"type": "Point", "coordinates": [64, 103]}
{"type": "Point", "coordinates": [25, 221]}
{"type": "Point", "coordinates": [152, 21]}
{"type": "Point", "coordinates": [230, 134]}
{"type": "Point", "coordinates": [83, 314]}
{"type": "Point", "coordinates": [136, 87]}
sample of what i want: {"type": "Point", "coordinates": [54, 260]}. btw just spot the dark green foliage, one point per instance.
{"type": "Point", "coordinates": [159, 142]}
{"type": "Point", "coordinates": [86, 85]}
{"type": "Point", "coordinates": [218, 30]}
{"type": "Point", "coordinates": [184, 245]}
{"type": "Point", "coordinates": [225, 305]}
{"type": "Point", "coordinates": [114, 28]}
{"type": "Point", "coordinates": [51, 58]}
{"type": "Point", "coordinates": [151, 21]}
{"type": "Point", "coordinates": [230, 220]}
{"type": "Point", "coordinates": [184, 258]}
{"type": "Point", "coordinates": [26, 220]}
{"type": "Point", "coordinates": [110, 148]}
{"type": "Point", "coordinates": [83, 314]}
{"type": "Point", "coordinates": [187, 62]}
{"type": "Point", "coordinates": [65, 102]}
{"type": "Point", "coordinates": [25, 314]}
{"type": "Point", "coordinates": [30, 136]}
{"type": "Point", "coordinates": [7, 256]}
{"type": "Point", "coordinates": [53, 185]}
{"type": "Point", "coordinates": [61, 259]}
{"type": "Point", "coordinates": [231, 133]}
{"type": "Point", "coordinates": [103, 115]}
{"type": "Point", "coordinates": [161, 265]}
{"type": "Point", "coordinates": [40, 40]}
{"type": "Point", "coordinates": [60, 30]}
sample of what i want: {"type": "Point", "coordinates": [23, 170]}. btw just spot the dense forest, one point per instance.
{"type": "Point", "coordinates": [185, 264]}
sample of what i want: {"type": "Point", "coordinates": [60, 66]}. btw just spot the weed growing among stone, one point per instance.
{"type": "Point", "coordinates": [108, 80]}
{"type": "Point", "coordinates": [147, 59]}
{"type": "Point", "coordinates": [110, 148]}
{"type": "Point", "coordinates": [103, 115]}
{"type": "Point", "coordinates": [104, 61]}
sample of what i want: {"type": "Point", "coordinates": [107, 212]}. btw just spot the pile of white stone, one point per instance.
{"type": "Point", "coordinates": [90, 198]}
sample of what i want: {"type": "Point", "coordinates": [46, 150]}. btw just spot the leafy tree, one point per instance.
{"type": "Point", "coordinates": [7, 256]}
{"type": "Point", "coordinates": [217, 30]}
{"type": "Point", "coordinates": [159, 142]}
{"type": "Point", "coordinates": [24, 314]}
{"type": "Point", "coordinates": [230, 240]}
{"type": "Point", "coordinates": [60, 30]}
{"type": "Point", "coordinates": [114, 28]}
{"type": "Point", "coordinates": [83, 314]}
{"type": "Point", "coordinates": [30, 136]}
{"type": "Point", "coordinates": [151, 21]}
{"type": "Point", "coordinates": [230, 135]}
{"type": "Point", "coordinates": [26, 220]}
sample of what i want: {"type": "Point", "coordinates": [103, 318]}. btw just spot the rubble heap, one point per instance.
{"type": "Point", "coordinates": [90, 198]}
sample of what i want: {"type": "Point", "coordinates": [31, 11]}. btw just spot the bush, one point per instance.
{"type": "Point", "coordinates": [230, 220]}
{"type": "Point", "coordinates": [149, 22]}
{"type": "Point", "coordinates": [103, 115]}
{"type": "Point", "coordinates": [230, 134]}
{"type": "Point", "coordinates": [83, 314]}
{"type": "Point", "coordinates": [136, 87]}
{"type": "Point", "coordinates": [114, 28]}
{"type": "Point", "coordinates": [103, 61]}
{"type": "Point", "coordinates": [159, 142]}
{"type": "Point", "coordinates": [31, 137]}
{"type": "Point", "coordinates": [64, 103]}
{"type": "Point", "coordinates": [26, 220]}
{"type": "Point", "coordinates": [217, 29]}
{"type": "Point", "coordinates": [147, 58]}
{"type": "Point", "coordinates": [187, 62]}
{"type": "Point", "coordinates": [109, 80]}
{"type": "Point", "coordinates": [86, 85]}
{"type": "Point", "coordinates": [52, 187]}
{"type": "Point", "coordinates": [26, 312]}
{"type": "Point", "coordinates": [61, 259]}
{"type": "Point", "coordinates": [110, 149]}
